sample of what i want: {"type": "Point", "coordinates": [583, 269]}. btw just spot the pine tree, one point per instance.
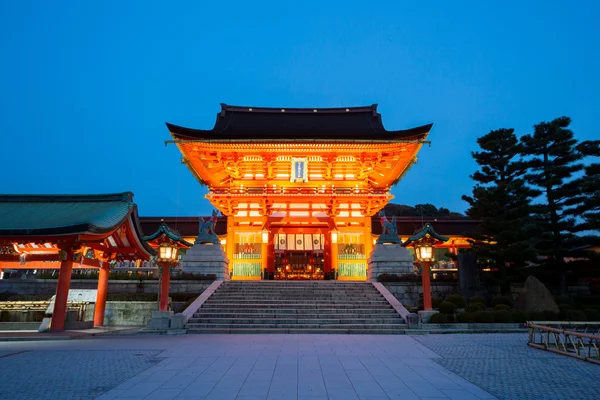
{"type": "Point", "coordinates": [501, 202]}
{"type": "Point", "coordinates": [553, 160]}
{"type": "Point", "coordinates": [589, 184]}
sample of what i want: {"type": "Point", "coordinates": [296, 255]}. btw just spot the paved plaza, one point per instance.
{"type": "Point", "coordinates": [292, 367]}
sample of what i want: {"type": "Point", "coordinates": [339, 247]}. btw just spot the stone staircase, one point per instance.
{"type": "Point", "coordinates": [296, 307]}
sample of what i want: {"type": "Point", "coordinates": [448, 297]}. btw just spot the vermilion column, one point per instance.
{"type": "Point", "coordinates": [165, 282]}
{"type": "Point", "coordinates": [62, 293]}
{"type": "Point", "coordinates": [101, 295]}
{"type": "Point", "coordinates": [426, 286]}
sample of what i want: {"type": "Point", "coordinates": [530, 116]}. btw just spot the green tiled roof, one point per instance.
{"type": "Point", "coordinates": [30, 215]}
{"type": "Point", "coordinates": [420, 234]}
{"type": "Point", "coordinates": [171, 234]}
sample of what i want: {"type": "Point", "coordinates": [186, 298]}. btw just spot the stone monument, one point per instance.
{"type": "Point", "coordinates": [206, 256]}
{"type": "Point", "coordinates": [389, 256]}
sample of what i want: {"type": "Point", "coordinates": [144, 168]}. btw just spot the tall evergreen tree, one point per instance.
{"type": "Point", "coordinates": [589, 184]}
{"type": "Point", "coordinates": [501, 201]}
{"type": "Point", "coordinates": [553, 160]}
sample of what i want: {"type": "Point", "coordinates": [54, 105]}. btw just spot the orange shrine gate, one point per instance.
{"type": "Point", "coordinates": [299, 186]}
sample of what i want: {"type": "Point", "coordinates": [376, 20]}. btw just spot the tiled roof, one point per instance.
{"type": "Point", "coordinates": [171, 234]}
{"type": "Point", "coordinates": [29, 215]}
{"type": "Point", "coordinates": [257, 123]}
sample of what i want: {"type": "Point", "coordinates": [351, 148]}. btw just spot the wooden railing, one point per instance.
{"type": "Point", "coordinates": [574, 339]}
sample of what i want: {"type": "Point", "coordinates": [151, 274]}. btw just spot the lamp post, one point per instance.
{"type": "Point", "coordinates": [424, 241]}
{"type": "Point", "coordinates": [167, 243]}
{"type": "Point", "coordinates": [424, 253]}
{"type": "Point", "coordinates": [167, 258]}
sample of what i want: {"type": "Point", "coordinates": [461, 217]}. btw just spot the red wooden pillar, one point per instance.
{"type": "Point", "coordinates": [426, 286]}
{"type": "Point", "coordinates": [101, 295]}
{"type": "Point", "coordinates": [165, 282]}
{"type": "Point", "coordinates": [62, 293]}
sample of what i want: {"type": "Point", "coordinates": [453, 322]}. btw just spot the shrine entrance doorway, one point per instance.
{"type": "Point", "coordinates": [300, 265]}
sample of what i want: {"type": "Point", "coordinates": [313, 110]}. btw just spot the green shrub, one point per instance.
{"type": "Point", "coordinates": [478, 299]}
{"type": "Point", "coordinates": [502, 307]}
{"type": "Point", "coordinates": [457, 299]}
{"type": "Point", "coordinates": [563, 300]}
{"type": "Point", "coordinates": [576, 315]}
{"type": "Point", "coordinates": [436, 301]}
{"type": "Point", "coordinates": [592, 315]}
{"type": "Point", "coordinates": [537, 316]}
{"type": "Point", "coordinates": [550, 315]}
{"type": "Point", "coordinates": [483, 317]}
{"type": "Point", "coordinates": [447, 308]}
{"type": "Point", "coordinates": [501, 300]}
{"type": "Point", "coordinates": [450, 317]}
{"type": "Point", "coordinates": [502, 316]}
{"type": "Point", "coordinates": [520, 316]}
{"type": "Point", "coordinates": [438, 319]}
{"type": "Point", "coordinates": [474, 307]}
{"type": "Point", "coordinates": [464, 317]}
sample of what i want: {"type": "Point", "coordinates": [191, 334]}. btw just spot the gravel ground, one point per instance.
{"type": "Point", "coordinates": [503, 365]}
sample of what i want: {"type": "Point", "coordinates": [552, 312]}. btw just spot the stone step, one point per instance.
{"type": "Point", "coordinates": [274, 313]}
{"type": "Point", "coordinates": [305, 306]}
{"type": "Point", "coordinates": [296, 326]}
{"type": "Point", "coordinates": [297, 321]}
{"type": "Point", "coordinates": [268, 300]}
{"type": "Point", "coordinates": [395, 330]}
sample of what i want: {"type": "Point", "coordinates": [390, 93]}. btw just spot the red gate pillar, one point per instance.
{"type": "Point", "coordinates": [101, 295]}
{"type": "Point", "coordinates": [62, 293]}
{"type": "Point", "coordinates": [165, 282]}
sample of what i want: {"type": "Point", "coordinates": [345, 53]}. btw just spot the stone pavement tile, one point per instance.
{"type": "Point", "coordinates": [258, 375]}
{"type": "Point", "coordinates": [222, 394]}
{"type": "Point", "coordinates": [141, 390]}
{"type": "Point", "coordinates": [313, 398]}
{"type": "Point", "coordinates": [342, 383]}
{"type": "Point", "coordinates": [283, 392]}
{"type": "Point", "coordinates": [368, 389]}
{"type": "Point", "coordinates": [159, 376]}
{"type": "Point", "coordinates": [111, 394]}
{"type": "Point", "coordinates": [163, 394]}
{"type": "Point", "coordinates": [422, 388]}
{"type": "Point", "coordinates": [197, 389]}
{"type": "Point", "coordinates": [256, 397]}
{"type": "Point", "coordinates": [255, 388]}
{"type": "Point", "coordinates": [266, 362]}
{"type": "Point", "coordinates": [342, 394]}
{"type": "Point", "coordinates": [460, 394]}
{"type": "Point", "coordinates": [178, 382]}
{"type": "Point", "coordinates": [395, 388]}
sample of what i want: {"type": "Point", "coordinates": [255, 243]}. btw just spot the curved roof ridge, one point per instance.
{"type": "Point", "coordinates": [309, 110]}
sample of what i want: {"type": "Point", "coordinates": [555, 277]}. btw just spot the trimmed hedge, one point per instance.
{"type": "Point", "coordinates": [457, 299]}
{"type": "Point", "coordinates": [592, 315]}
{"type": "Point", "coordinates": [520, 316]}
{"type": "Point", "coordinates": [502, 307]}
{"type": "Point", "coordinates": [501, 300]}
{"type": "Point", "coordinates": [537, 316]}
{"type": "Point", "coordinates": [502, 316]}
{"type": "Point", "coordinates": [474, 307]}
{"type": "Point", "coordinates": [478, 299]}
{"type": "Point", "coordinates": [438, 319]}
{"type": "Point", "coordinates": [576, 315]}
{"type": "Point", "coordinates": [436, 301]}
{"type": "Point", "coordinates": [447, 308]}
{"type": "Point", "coordinates": [551, 316]}
{"type": "Point", "coordinates": [465, 317]}
{"type": "Point", "coordinates": [483, 317]}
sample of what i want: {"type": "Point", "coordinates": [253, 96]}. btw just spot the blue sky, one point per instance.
{"type": "Point", "coordinates": [86, 87]}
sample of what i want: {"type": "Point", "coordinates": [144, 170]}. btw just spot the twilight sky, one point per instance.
{"type": "Point", "coordinates": [86, 87]}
